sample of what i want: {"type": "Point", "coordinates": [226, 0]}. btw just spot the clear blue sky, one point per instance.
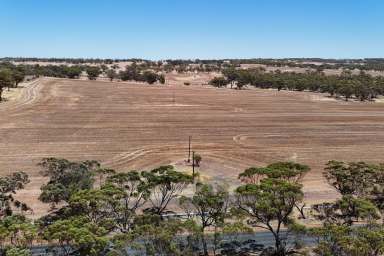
{"type": "Point", "coordinates": [161, 29]}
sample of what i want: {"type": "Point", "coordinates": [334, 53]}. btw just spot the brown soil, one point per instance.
{"type": "Point", "coordinates": [137, 126]}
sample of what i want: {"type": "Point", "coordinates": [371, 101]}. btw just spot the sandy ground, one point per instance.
{"type": "Point", "coordinates": [12, 93]}
{"type": "Point", "coordinates": [136, 126]}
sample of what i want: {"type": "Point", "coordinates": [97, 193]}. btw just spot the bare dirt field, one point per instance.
{"type": "Point", "coordinates": [137, 126]}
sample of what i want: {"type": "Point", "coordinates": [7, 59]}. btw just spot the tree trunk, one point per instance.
{"type": "Point", "coordinates": [301, 210]}
{"type": "Point", "coordinates": [280, 250]}
{"type": "Point", "coordinates": [1, 94]}
{"type": "Point", "coordinates": [205, 248]}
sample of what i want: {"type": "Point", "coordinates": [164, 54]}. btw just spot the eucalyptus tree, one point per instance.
{"type": "Point", "coordinates": [210, 205]}
{"type": "Point", "coordinates": [165, 184]}
{"type": "Point", "coordinates": [269, 205]}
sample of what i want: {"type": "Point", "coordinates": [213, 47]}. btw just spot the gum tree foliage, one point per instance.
{"type": "Point", "coordinates": [135, 193]}
{"type": "Point", "coordinates": [269, 205]}
{"type": "Point", "coordinates": [219, 82]}
{"type": "Point", "coordinates": [141, 73]}
{"type": "Point", "coordinates": [357, 182]}
{"type": "Point", "coordinates": [115, 204]}
{"type": "Point", "coordinates": [357, 179]}
{"type": "Point", "coordinates": [18, 231]}
{"type": "Point", "coordinates": [161, 79]}
{"type": "Point", "coordinates": [344, 240]}
{"type": "Point", "coordinates": [96, 205]}
{"type": "Point", "coordinates": [362, 86]}
{"type": "Point", "coordinates": [5, 81]}
{"type": "Point", "coordinates": [150, 77]}
{"type": "Point", "coordinates": [153, 238]}
{"type": "Point", "coordinates": [210, 205]}
{"type": "Point", "coordinates": [111, 74]}
{"type": "Point", "coordinates": [77, 236]}
{"type": "Point", "coordinates": [93, 72]}
{"type": "Point", "coordinates": [8, 186]}
{"type": "Point", "coordinates": [377, 192]}
{"type": "Point", "coordinates": [289, 171]}
{"type": "Point", "coordinates": [15, 251]}
{"type": "Point", "coordinates": [346, 211]}
{"type": "Point", "coordinates": [197, 160]}
{"type": "Point", "coordinates": [166, 184]}
{"type": "Point", "coordinates": [65, 178]}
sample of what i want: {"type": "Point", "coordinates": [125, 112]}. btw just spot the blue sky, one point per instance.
{"type": "Point", "coordinates": [159, 29]}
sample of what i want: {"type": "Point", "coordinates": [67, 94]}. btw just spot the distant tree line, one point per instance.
{"type": "Point", "coordinates": [98, 211]}
{"type": "Point", "coordinates": [138, 73]}
{"type": "Point", "coordinates": [10, 77]}
{"type": "Point", "coordinates": [69, 60]}
{"type": "Point", "coordinates": [322, 64]}
{"type": "Point", "coordinates": [184, 65]}
{"type": "Point", "coordinates": [362, 86]}
{"type": "Point", "coordinates": [11, 74]}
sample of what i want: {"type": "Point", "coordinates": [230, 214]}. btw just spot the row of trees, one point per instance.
{"type": "Point", "coordinates": [137, 73]}
{"type": "Point", "coordinates": [10, 77]}
{"type": "Point", "coordinates": [180, 65]}
{"type": "Point", "coordinates": [361, 86]}
{"type": "Point", "coordinates": [317, 63]}
{"type": "Point", "coordinates": [130, 213]}
{"type": "Point", "coordinates": [68, 60]}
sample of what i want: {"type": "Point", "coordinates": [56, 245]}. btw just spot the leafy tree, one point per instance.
{"type": "Point", "coordinates": [163, 238]}
{"type": "Point", "coordinates": [17, 77]}
{"type": "Point", "coordinates": [73, 71]}
{"type": "Point", "coordinates": [5, 81]}
{"type": "Point", "coordinates": [269, 205]}
{"type": "Point", "coordinates": [218, 82]}
{"type": "Point", "coordinates": [232, 75]}
{"type": "Point", "coordinates": [161, 79]}
{"type": "Point", "coordinates": [15, 251]}
{"type": "Point", "coordinates": [111, 74]}
{"type": "Point", "coordinates": [197, 159]}
{"type": "Point", "coordinates": [97, 205]}
{"type": "Point", "coordinates": [166, 184]}
{"type": "Point", "coordinates": [103, 174]}
{"type": "Point", "coordinates": [346, 211]}
{"type": "Point", "coordinates": [377, 190]}
{"type": "Point", "coordinates": [77, 236]}
{"type": "Point", "coordinates": [210, 205]}
{"type": "Point", "coordinates": [103, 67]}
{"type": "Point", "coordinates": [130, 73]}
{"type": "Point", "coordinates": [253, 175]}
{"type": "Point", "coordinates": [93, 72]}
{"type": "Point", "coordinates": [53, 193]}
{"type": "Point", "coordinates": [362, 86]}
{"type": "Point", "coordinates": [343, 240]}
{"type": "Point", "coordinates": [135, 193]}
{"type": "Point", "coordinates": [18, 231]}
{"type": "Point", "coordinates": [150, 77]}
{"type": "Point", "coordinates": [288, 171]}
{"type": "Point", "coordinates": [114, 205]}
{"type": "Point", "coordinates": [355, 178]}
{"type": "Point", "coordinates": [8, 186]}
{"type": "Point", "coordinates": [66, 178]}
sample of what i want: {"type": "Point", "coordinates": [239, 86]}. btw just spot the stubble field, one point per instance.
{"type": "Point", "coordinates": [136, 126]}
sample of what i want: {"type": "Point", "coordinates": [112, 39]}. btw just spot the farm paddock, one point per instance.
{"type": "Point", "coordinates": [136, 126]}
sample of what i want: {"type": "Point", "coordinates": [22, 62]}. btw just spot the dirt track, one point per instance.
{"type": "Point", "coordinates": [130, 126]}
